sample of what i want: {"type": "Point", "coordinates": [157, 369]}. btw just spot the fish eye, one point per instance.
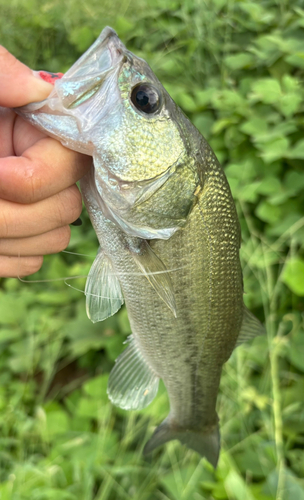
{"type": "Point", "coordinates": [146, 98]}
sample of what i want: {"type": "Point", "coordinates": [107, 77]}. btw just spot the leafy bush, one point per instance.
{"type": "Point", "coordinates": [236, 69]}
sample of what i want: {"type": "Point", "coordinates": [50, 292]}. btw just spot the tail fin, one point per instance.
{"type": "Point", "coordinates": [206, 443]}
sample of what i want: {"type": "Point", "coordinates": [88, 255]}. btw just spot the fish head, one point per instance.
{"type": "Point", "coordinates": [111, 105]}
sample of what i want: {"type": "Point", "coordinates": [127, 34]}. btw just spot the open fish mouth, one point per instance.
{"type": "Point", "coordinates": [83, 96]}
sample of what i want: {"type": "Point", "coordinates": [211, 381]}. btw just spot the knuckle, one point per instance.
{"type": "Point", "coordinates": [30, 184]}
{"type": "Point", "coordinates": [34, 264]}
{"type": "Point", "coordinates": [4, 225]}
{"type": "Point", "coordinates": [61, 239]}
{"type": "Point", "coordinates": [72, 204]}
{"type": "Point", "coordinates": [30, 265]}
{"type": "Point", "coordinates": [18, 267]}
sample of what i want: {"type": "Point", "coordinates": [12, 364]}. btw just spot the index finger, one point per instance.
{"type": "Point", "coordinates": [44, 169]}
{"type": "Point", "coordinates": [19, 85]}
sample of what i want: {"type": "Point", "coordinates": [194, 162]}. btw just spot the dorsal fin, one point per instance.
{"type": "Point", "coordinates": [103, 293]}
{"type": "Point", "coordinates": [251, 327]}
{"type": "Point", "coordinates": [132, 383]}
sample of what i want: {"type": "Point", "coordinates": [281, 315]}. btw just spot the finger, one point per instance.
{"type": "Point", "coordinates": [19, 84]}
{"type": "Point", "coordinates": [43, 170]}
{"type": "Point", "coordinates": [25, 136]}
{"type": "Point", "coordinates": [22, 221]}
{"type": "Point", "coordinates": [52, 242]}
{"type": "Point", "coordinates": [18, 267]}
{"type": "Point", "coordinates": [16, 134]}
{"type": "Point", "coordinates": [7, 120]}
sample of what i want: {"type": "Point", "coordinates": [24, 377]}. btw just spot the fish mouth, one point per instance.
{"type": "Point", "coordinates": [93, 68]}
{"type": "Point", "coordinates": [80, 99]}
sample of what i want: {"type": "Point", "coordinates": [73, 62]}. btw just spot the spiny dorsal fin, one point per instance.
{"type": "Point", "coordinates": [156, 273]}
{"type": "Point", "coordinates": [132, 383]}
{"type": "Point", "coordinates": [251, 327]}
{"type": "Point", "coordinates": [103, 293]}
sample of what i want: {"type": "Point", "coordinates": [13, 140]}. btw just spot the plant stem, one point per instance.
{"type": "Point", "coordinates": [278, 423]}
{"type": "Point", "coordinates": [274, 354]}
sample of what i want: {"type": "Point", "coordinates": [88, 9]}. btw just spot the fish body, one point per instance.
{"type": "Point", "coordinates": [169, 237]}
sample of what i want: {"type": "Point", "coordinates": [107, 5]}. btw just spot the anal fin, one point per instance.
{"type": "Point", "coordinates": [103, 292]}
{"type": "Point", "coordinates": [132, 383]}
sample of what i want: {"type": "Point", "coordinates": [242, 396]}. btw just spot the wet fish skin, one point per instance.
{"type": "Point", "coordinates": [169, 239]}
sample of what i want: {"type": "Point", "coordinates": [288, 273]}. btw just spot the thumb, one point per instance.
{"type": "Point", "coordinates": [18, 83]}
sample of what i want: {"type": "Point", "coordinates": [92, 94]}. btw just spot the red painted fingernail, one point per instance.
{"type": "Point", "coordinates": [47, 76]}
{"type": "Point", "coordinates": [50, 77]}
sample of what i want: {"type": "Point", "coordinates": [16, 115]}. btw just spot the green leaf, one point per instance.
{"type": "Point", "coordinates": [293, 275]}
{"type": "Point", "coordinates": [297, 151]}
{"type": "Point", "coordinates": [255, 126]}
{"type": "Point", "coordinates": [8, 335]}
{"type": "Point", "coordinates": [236, 487]}
{"type": "Point", "coordinates": [230, 101]}
{"type": "Point", "coordinates": [285, 224]}
{"type": "Point", "coordinates": [9, 313]}
{"type": "Point", "coordinates": [204, 123]}
{"type": "Point", "coordinates": [186, 102]}
{"type": "Point", "coordinates": [97, 387]}
{"type": "Point", "coordinates": [293, 488]}
{"type": "Point", "coordinates": [221, 125]}
{"type": "Point", "coordinates": [123, 25]}
{"type": "Point", "coordinates": [82, 37]}
{"type": "Point", "coordinates": [92, 408]}
{"type": "Point", "coordinates": [241, 60]}
{"type": "Point", "coordinates": [267, 90]}
{"type": "Point", "coordinates": [269, 185]}
{"type": "Point", "coordinates": [248, 192]}
{"type": "Point", "coordinates": [203, 97]}
{"type": "Point", "coordinates": [296, 59]}
{"type": "Point", "coordinates": [290, 104]}
{"type": "Point", "coordinates": [274, 150]}
{"type": "Point", "coordinates": [296, 350]}
{"type": "Point", "coordinates": [57, 422]}
{"type": "Point", "coordinates": [268, 213]}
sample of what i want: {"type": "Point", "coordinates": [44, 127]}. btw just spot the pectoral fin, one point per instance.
{"type": "Point", "coordinates": [156, 273]}
{"type": "Point", "coordinates": [251, 327]}
{"type": "Point", "coordinates": [132, 383]}
{"type": "Point", "coordinates": [103, 293]}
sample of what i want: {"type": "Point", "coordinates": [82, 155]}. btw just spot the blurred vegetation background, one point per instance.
{"type": "Point", "coordinates": [236, 67]}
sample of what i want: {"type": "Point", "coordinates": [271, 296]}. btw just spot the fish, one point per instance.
{"type": "Point", "coordinates": [169, 237]}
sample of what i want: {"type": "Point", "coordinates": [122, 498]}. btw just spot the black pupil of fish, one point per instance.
{"type": "Point", "coordinates": [145, 98]}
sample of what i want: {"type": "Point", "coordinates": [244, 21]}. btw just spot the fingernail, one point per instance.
{"type": "Point", "coordinates": [44, 87]}
{"type": "Point", "coordinates": [47, 76]}
{"type": "Point", "coordinates": [77, 222]}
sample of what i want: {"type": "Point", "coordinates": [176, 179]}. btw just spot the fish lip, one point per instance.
{"type": "Point", "coordinates": [114, 44]}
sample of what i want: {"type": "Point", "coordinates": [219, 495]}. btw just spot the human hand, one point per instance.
{"type": "Point", "coordinates": [38, 195]}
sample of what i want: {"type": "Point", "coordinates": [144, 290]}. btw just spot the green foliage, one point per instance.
{"type": "Point", "coordinates": [237, 70]}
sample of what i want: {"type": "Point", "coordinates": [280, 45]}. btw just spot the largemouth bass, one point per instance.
{"type": "Point", "coordinates": [169, 237]}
